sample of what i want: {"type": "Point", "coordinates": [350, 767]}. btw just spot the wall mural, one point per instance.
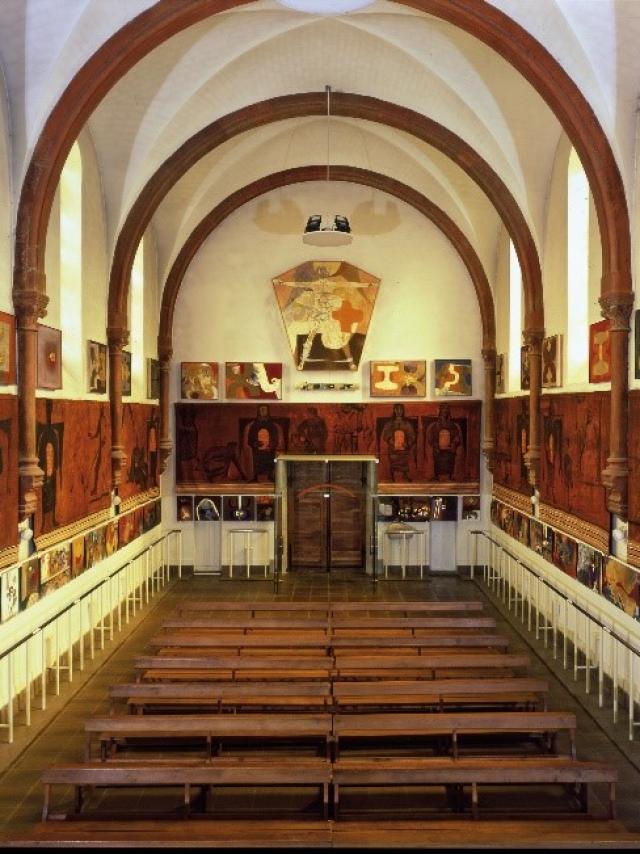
{"type": "Point", "coordinates": [634, 477]}
{"type": "Point", "coordinates": [140, 434]}
{"type": "Point", "coordinates": [512, 441]}
{"type": "Point", "coordinates": [417, 443]}
{"type": "Point", "coordinates": [575, 442]}
{"type": "Point", "coordinates": [8, 474]}
{"type": "Point", "coordinates": [72, 442]}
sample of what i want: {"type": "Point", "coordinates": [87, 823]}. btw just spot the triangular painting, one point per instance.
{"type": "Point", "coordinates": [326, 307]}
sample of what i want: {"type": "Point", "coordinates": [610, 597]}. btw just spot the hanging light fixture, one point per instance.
{"type": "Point", "coordinates": [327, 229]}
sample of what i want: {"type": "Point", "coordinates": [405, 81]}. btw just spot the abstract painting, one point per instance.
{"type": "Point", "coordinates": [452, 377]}
{"type": "Point", "coordinates": [29, 583]}
{"type": "Point", "coordinates": [398, 378]}
{"type": "Point", "coordinates": [54, 562]}
{"type": "Point", "coordinates": [525, 371]}
{"type": "Point", "coordinates": [599, 352]}
{"type": "Point", "coordinates": [326, 308]}
{"type": "Point", "coordinates": [126, 373]}
{"type": "Point", "coordinates": [501, 373]}
{"type": "Point", "coordinates": [49, 357]}
{"type": "Point", "coordinates": [552, 361]}
{"type": "Point", "coordinates": [97, 367]}
{"type": "Point", "coordinates": [153, 379]}
{"type": "Point", "coordinates": [184, 508]}
{"type": "Point", "coordinates": [199, 380]}
{"type": "Point", "coordinates": [77, 556]}
{"type": "Point", "coordinates": [7, 349]}
{"type": "Point", "coordinates": [253, 380]}
{"type": "Point", "coordinates": [621, 585]}
{"type": "Point", "coordinates": [9, 594]}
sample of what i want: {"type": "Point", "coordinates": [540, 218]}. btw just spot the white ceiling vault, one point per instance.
{"type": "Point", "coordinates": [262, 50]}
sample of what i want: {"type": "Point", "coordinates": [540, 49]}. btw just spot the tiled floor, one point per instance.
{"type": "Point", "coordinates": [56, 735]}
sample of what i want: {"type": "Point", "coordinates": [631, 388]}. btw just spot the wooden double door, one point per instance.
{"type": "Point", "coordinates": [326, 514]}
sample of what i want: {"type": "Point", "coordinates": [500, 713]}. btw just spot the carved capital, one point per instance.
{"type": "Point", "coordinates": [615, 479]}
{"type": "Point", "coordinates": [29, 305]}
{"type": "Point", "coordinates": [118, 462]}
{"type": "Point", "coordinates": [533, 339]}
{"type": "Point", "coordinates": [30, 478]}
{"type": "Point", "coordinates": [165, 350]}
{"type": "Point", "coordinates": [617, 309]}
{"type": "Point", "coordinates": [117, 336]}
{"type": "Point", "coordinates": [489, 452]}
{"type": "Point", "coordinates": [166, 448]}
{"type": "Point", "coordinates": [532, 462]}
{"type": "Point", "coordinates": [489, 356]}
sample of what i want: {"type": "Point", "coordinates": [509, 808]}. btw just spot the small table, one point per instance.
{"type": "Point", "coordinates": [248, 534]}
{"type": "Point", "coordinates": [405, 537]}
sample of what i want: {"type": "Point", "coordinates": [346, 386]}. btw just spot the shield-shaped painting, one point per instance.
{"type": "Point", "coordinates": [452, 377]}
{"type": "Point", "coordinates": [326, 307]}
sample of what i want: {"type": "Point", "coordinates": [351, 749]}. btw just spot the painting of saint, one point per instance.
{"type": "Point", "coordinates": [7, 349]}
{"type": "Point", "coordinates": [599, 352]}
{"type": "Point", "coordinates": [398, 378]}
{"type": "Point", "coordinates": [445, 443]}
{"type": "Point", "coordinates": [97, 367]}
{"type": "Point", "coordinates": [326, 307]}
{"type": "Point", "coordinates": [452, 377]}
{"type": "Point", "coordinates": [311, 434]}
{"type": "Point", "coordinates": [398, 439]}
{"type": "Point", "coordinates": [253, 380]}
{"type": "Point", "coordinates": [199, 380]}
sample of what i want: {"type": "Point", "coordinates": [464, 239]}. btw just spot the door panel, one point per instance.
{"type": "Point", "coordinates": [347, 522]}
{"type": "Point", "coordinates": [307, 516]}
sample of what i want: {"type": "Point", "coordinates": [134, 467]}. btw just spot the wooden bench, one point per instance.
{"type": "Point", "coordinates": [248, 627]}
{"type": "Point", "coordinates": [496, 771]}
{"type": "Point", "coordinates": [442, 693]}
{"type": "Point", "coordinates": [231, 667]}
{"type": "Point", "coordinates": [220, 771]}
{"type": "Point", "coordinates": [253, 608]}
{"type": "Point", "coordinates": [406, 608]}
{"type": "Point", "coordinates": [239, 644]}
{"type": "Point", "coordinates": [211, 729]}
{"type": "Point", "coordinates": [222, 695]}
{"type": "Point", "coordinates": [408, 625]}
{"type": "Point", "coordinates": [428, 666]}
{"type": "Point", "coordinates": [388, 726]}
{"type": "Point", "coordinates": [403, 644]}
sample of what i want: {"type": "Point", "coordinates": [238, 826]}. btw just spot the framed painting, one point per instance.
{"type": "Point", "coordinates": [9, 594]}
{"type": "Point", "coordinates": [552, 361]}
{"type": "Point", "coordinates": [444, 508]}
{"type": "Point", "coordinates": [7, 349]}
{"type": "Point", "coordinates": [127, 531]}
{"type": "Point", "coordinates": [29, 583]}
{"type": "Point", "coordinates": [589, 570]}
{"type": "Point", "coordinates": [111, 538]}
{"type": "Point", "coordinates": [501, 373]}
{"type": "Point", "coordinates": [77, 556]}
{"type": "Point", "coordinates": [94, 545]}
{"type": "Point", "coordinates": [522, 529]}
{"type": "Point", "coordinates": [54, 562]}
{"type": "Point", "coordinates": [636, 354]}
{"type": "Point", "coordinates": [398, 378]}
{"type": "Point", "coordinates": [265, 508]}
{"type": "Point", "coordinates": [184, 508]}
{"type": "Point", "coordinates": [253, 380]}
{"type": "Point", "coordinates": [207, 508]}
{"type": "Point", "coordinates": [565, 554]}
{"type": "Point", "coordinates": [525, 373]}
{"type": "Point", "coordinates": [239, 508]}
{"type": "Point", "coordinates": [49, 357]}
{"type": "Point", "coordinates": [153, 379]}
{"type": "Point", "coordinates": [536, 535]}
{"type": "Point", "coordinates": [150, 515]}
{"type": "Point", "coordinates": [199, 380]}
{"type": "Point", "coordinates": [621, 586]}
{"type": "Point", "coordinates": [470, 506]}
{"type": "Point", "coordinates": [599, 352]}
{"type": "Point", "coordinates": [55, 582]}
{"type": "Point", "coordinates": [97, 367]}
{"type": "Point", "coordinates": [547, 543]}
{"type": "Point", "coordinates": [126, 373]}
{"type": "Point", "coordinates": [452, 377]}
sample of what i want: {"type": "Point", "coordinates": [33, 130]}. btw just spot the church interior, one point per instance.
{"type": "Point", "coordinates": [319, 423]}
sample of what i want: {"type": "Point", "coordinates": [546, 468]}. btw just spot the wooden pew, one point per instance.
{"type": "Point", "coordinates": [412, 625]}
{"type": "Point", "coordinates": [406, 608]}
{"type": "Point", "coordinates": [388, 726]}
{"type": "Point", "coordinates": [428, 666]}
{"type": "Point", "coordinates": [211, 729]}
{"type": "Point", "coordinates": [442, 693]}
{"type": "Point", "coordinates": [468, 771]}
{"type": "Point", "coordinates": [250, 609]}
{"type": "Point", "coordinates": [230, 667]}
{"type": "Point", "coordinates": [258, 625]}
{"type": "Point", "coordinates": [403, 644]}
{"type": "Point", "coordinates": [264, 643]}
{"type": "Point", "coordinates": [222, 695]}
{"type": "Point", "coordinates": [220, 771]}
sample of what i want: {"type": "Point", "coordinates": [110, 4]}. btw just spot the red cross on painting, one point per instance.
{"type": "Point", "coordinates": [347, 315]}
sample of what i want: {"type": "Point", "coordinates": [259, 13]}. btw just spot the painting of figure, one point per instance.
{"type": "Point", "coordinates": [49, 357]}
{"type": "Point", "coordinates": [589, 570]}
{"type": "Point", "coordinates": [452, 377]}
{"type": "Point", "coordinates": [599, 352]}
{"type": "Point", "coordinates": [7, 349]}
{"type": "Point", "coordinates": [501, 373]}
{"type": "Point", "coordinates": [565, 554]}
{"type": "Point", "coordinates": [621, 586]}
{"type": "Point", "coordinates": [127, 530]}
{"type": "Point", "coordinates": [398, 378]}
{"type": "Point", "coordinates": [199, 380]}
{"type": "Point", "coordinates": [111, 538]}
{"type": "Point", "coordinates": [445, 444]}
{"type": "Point", "coordinates": [77, 556]}
{"type": "Point", "coordinates": [9, 594]}
{"type": "Point", "coordinates": [398, 440]}
{"type": "Point", "coordinates": [552, 361]}
{"type": "Point", "coordinates": [525, 370]}
{"type": "Point", "coordinates": [29, 583]}
{"type": "Point", "coordinates": [326, 307]}
{"type": "Point", "coordinates": [126, 373]}
{"type": "Point", "coordinates": [153, 379]}
{"type": "Point", "coordinates": [97, 367]}
{"type": "Point", "coordinates": [253, 380]}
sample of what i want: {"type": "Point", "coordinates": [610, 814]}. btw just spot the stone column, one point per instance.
{"type": "Point", "coordinates": [29, 305]}
{"type": "Point", "coordinates": [617, 308]}
{"type": "Point", "coordinates": [489, 436]}
{"type": "Point", "coordinates": [117, 337]}
{"type": "Point", "coordinates": [165, 353]}
{"type": "Point", "coordinates": [533, 339]}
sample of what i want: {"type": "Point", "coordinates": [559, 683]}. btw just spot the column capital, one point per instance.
{"type": "Point", "coordinates": [165, 350]}
{"type": "Point", "coordinates": [532, 462]}
{"type": "Point", "coordinates": [615, 479]}
{"type": "Point", "coordinates": [29, 305]}
{"type": "Point", "coordinates": [617, 308]}
{"type": "Point", "coordinates": [533, 339]}
{"type": "Point", "coordinates": [489, 355]}
{"type": "Point", "coordinates": [117, 334]}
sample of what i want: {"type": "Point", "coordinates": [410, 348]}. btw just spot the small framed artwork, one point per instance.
{"type": "Point", "coordinates": [501, 373]}
{"type": "Point", "coordinates": [7, 349]}
{"type": "Point", "coordinates": [599, 352]}
{"type": "Point", "coordinates": [470, 506]}
{"type": "Point", "coordinates": [97, 367]}
{"type": "Point", "coordinates": [153, 379]}
{"type": "Point", "coordinates": [111, 538]}
{"type": "Point", "coordinates": [552, 361]}
{"type": "Point", "coordinates": [49, 357]}
{"type": "Point", "coordinates": [636, 372]}
{"type": "Point", "coordinates": [265, 508]}
{"type": "Point", "coordinates": [207, 508]}
{"type": "Point", "coordinates": [29, 583]}
{"type": "Point", "coordinates": [199, 380]}
{"type": "Point", "coordinates": [184, 509]}
{"type": "Point", "coordinates": [94, 547]}
{"type": "Point", "coordinates": [565, 554]}
{"type": "Point", "coordinates": [444, 508]}
{"type": "Point", "coordinates": [239, 508]}
{"type": "Point", "coordinates": [77, 556]}
{"type": "Point", "coordinates": [398, 378]}
{"type": "Point", "coordinates": [126, 373]}
{"type": "Point", "coordinates": [9, 594]}
{"type": "Point", "coordinates": [589, 570]}
{"type": "Point", "coordinates": [452, 377]}
{"type": "Point", "coordinates": [525, 373]}
{"type": "Point", "coordinates": [253, 380]}
{"type": "Point", "coordinates": [127, 531]}
{"type": "Point", "coordinates": [621, 586]}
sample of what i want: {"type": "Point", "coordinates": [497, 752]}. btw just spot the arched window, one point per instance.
{"type": "Point", "coordinates": [73, 352]}
{"type": "Point", "coordinates": [515, 318]}
{"type": "Point", "coordinates": [577, 271]}
{"type": "Point", "coordinates": [136, 313]}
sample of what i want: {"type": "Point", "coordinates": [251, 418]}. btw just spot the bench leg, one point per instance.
{"type": "Point", "coordinates": [187, 799]}
{"type": "Point", "coordinates": [336, 806]}
{"type": "Point", "coordinates": [78, 799]}
{"type": "Point", "coordinates": [474, 800]}
{"type": "Point", "coordinates": [612, 800]}
{"type": "Point", "coordinates": [47, 796]}
{"type": "Point", "coordinates": [325, 801]}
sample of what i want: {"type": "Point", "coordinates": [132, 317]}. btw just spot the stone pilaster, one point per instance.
{"type": "Point", "coordinates": [489, 433]}
{"type": "Point", "coordinates": [533, 339]}
{"type": "Point", "coordinates": [117, 337]}
{"type": "Point", "coordinates": [165, 353]}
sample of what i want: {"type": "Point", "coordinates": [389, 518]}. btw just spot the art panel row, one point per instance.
{"type": "Point", "coordinates": [420, 443]}
{"type": "Point", "coordinates": [23, 585]}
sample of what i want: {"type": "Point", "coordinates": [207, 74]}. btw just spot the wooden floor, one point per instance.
{"type": "Point", "coordinates": [389, 819]}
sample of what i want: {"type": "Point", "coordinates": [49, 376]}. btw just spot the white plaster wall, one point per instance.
{"type": "Point", "coordinates": [226, 311]}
